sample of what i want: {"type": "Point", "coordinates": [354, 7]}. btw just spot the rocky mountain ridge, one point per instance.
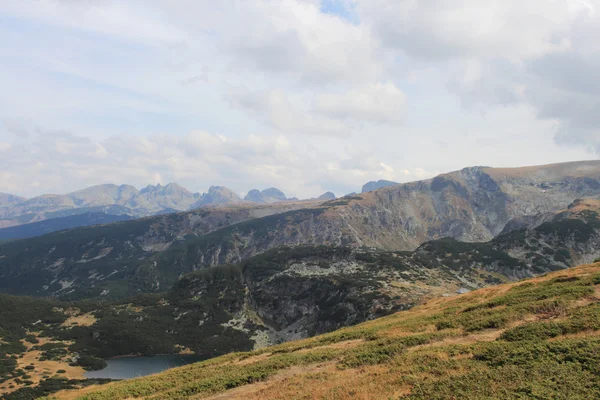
{"type": "Point", "coordinates": [118, 200]}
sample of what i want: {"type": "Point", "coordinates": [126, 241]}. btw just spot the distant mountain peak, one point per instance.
{"type": "Point", "coordinates": [217, 195]}
{"type": "Point", "coordinates": [270, 195]}
{"type": "Point", "coordinates": [374, 185]}
{"type": "Point", "coordinates": [327, 196]}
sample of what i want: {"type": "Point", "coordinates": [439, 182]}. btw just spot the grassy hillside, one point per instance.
{"type": "Point", "coordinates": [532, 339]}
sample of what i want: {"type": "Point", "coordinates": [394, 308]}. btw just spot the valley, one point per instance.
{"type": "Point", "coordinates": [242, 277]}
{"type": "Point", "coordinates": [535, 338]}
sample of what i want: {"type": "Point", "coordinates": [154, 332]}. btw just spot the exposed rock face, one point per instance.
{"type": "Point", "coordinates": [473, 204]}
{"type": "Point", "coordinates": [374, 185]}
{"type": "Point", "coordinates": [291, 293]}
{"type": "Point", "coordinates": [271, 195]}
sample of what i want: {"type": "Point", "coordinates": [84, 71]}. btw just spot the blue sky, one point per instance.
{"type": "Point", "coordinates": [304, 95]}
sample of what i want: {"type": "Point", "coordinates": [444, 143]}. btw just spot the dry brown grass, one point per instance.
{"type": "Point", "coordinates": [321, 381]}
{"type": "Point", "coordinates": [79, 320]}
{"type": "Point", "coordinates": [42, 368]}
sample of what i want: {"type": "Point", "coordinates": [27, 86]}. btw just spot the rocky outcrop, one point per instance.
{"type": "Point", "coordinates": [291, 293]}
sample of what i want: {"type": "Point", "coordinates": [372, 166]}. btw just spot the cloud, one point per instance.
{"type": "Point", "coordinates": [541, 53]}
{"type": "Point", "coordinates": [111, 17]}
{"type": "Point", "coordinates": [277, 110]}
{"type": "Point", "coordinates": [378, 103]}
{"type": "Point", "coordinates": [437, 29]}
{"type": "Point", "coordinates": [296, 39]}
{"type": "Point", "coordinates": [59, 159]}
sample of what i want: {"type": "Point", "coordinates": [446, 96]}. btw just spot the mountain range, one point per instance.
{"type": "Point", "coordinates": [240, 275]}
{"type": "Point", "coordinates": [123, 200]}
{"type": "Point", "coordinates": [471, 205]}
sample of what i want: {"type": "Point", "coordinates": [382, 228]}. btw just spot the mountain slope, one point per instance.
{"type": "Point", "coordinates": [284, 294]}
{"type": "Point", "coordinates": [532, 339]}
{"type": "Point", "coordinates": [104, 259]}
{"type": "Point", "coordinates": [150, 255]}
{"type": "Point", "coordinates": [58, 224]}
{"type": "Point", "coordinates": [102, 264]}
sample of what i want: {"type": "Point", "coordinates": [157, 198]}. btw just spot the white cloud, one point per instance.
{"type": "Point", "coordinates": [197, 160]}
{"type": "Point", "coordinates": [277, 110]}
{"type": "Point", "coordinates": [295, 38]}
{"type": "Point", "coordinates": [440, 29]}
{"type": "Point", "coordinates": [542, 53]}
{"type": "Point", "coordinates": [378, 103]}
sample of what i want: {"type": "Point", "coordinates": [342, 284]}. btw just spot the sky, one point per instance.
{"type": "Point", "coordinates": [304, 95]}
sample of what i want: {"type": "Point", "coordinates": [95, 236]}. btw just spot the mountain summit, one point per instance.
{"type": "Point", "coordinates": [271, 195]}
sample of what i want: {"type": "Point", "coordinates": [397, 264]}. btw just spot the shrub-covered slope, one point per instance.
{"type": "Point", "coordinates": [284, 294]}
{"type": "Point", "coordinates": [103, 260]}
{"type": "Point", "coordinates": [532, 339]}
